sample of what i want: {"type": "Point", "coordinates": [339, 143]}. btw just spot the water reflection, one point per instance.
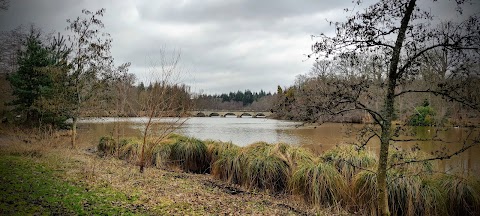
{"type": "Point", "coordinates": [244, 131]}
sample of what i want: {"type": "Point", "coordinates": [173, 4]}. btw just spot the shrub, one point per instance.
{"type": "Point", "coordinates": [423, 116]}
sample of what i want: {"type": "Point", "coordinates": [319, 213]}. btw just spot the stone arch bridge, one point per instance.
{"type": "Point", "coordinates": [225, 113]}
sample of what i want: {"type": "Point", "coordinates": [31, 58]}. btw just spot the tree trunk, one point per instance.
{"type": "Point", "coordinates": [382, 199]}
{"type": "Point", "coordinates": [142, 154]}
{"type": "Point", "coordinates": [74, 132]}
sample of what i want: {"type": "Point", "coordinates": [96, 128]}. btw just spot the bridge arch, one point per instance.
{"type": "Point", "coordinates": [246, 114]}
{"type": "Point", "coordinates": [261, 115]}
{"type": "Point", "coordinates": [229, 114]}
{"type": "Point", "coordinates": [213, 114]}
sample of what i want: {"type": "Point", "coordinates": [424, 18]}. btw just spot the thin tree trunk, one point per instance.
{"type": "Point", "coordinates": [382, 199]}
{"type": "Point", "coordinates": [74, 132]}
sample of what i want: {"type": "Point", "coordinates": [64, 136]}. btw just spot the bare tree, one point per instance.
{"type": "Point", "coordinates": [4, 4]}
{"type": "Point", "coordinates": [405, 33]}
{"type": "Point", "coordinates": [166, 103]}
{"type": "Point", "coordinates": [90, 59]}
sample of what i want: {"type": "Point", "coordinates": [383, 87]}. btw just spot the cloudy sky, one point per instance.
{"type": "Point", "coordinates": [225, 45]}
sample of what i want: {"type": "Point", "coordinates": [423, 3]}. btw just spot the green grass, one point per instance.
{"type": "Point", "coordinates": [28, 188]}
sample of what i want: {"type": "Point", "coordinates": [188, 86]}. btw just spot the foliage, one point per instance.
{"type": "Point", "coordinates": [423, 116]}
{"type": "Point", "coordinates": [35, 81]}
{"type": "Point", "coordinates": [246, 100]}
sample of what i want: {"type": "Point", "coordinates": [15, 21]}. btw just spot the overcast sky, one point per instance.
{"type": "Point", "coordinates": [225, 45]}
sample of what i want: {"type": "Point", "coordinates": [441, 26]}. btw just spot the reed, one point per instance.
{"type": "Point", "coordinates": [292, 155]}
{"type": "Point", "coordinates": [161, 154]}
{"type": "Point", "coordinates": [259, 165]}
{"type": "Point", "coordinates": [264, 168]}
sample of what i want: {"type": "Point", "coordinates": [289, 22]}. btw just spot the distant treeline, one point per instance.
{"type": "Point", "coordinates": [246, 100]}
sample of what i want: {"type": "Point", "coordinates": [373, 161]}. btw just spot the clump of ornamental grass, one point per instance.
{"type": "Point", "coordinates": [349, 160]}
{"type": "Point", "coordinates": [107, 146]}
{"type": "Point", "coordinates": [129, 149]}
{"type": "Point", "coordinates": [462, 194]}
{"type": "Point", "coordinates": [190, 154]}
{"type": "Point", "coordinates": [319, 183]}
{"type": "Point", "coordinates": [407, 194]}
{"type": "Point", "coordinates": [259, 165]}
{"type": "Point", "coordinates": [264, 168]}
{"type": "Point", "coordinates": [227, 166]}
{"type": "Point", "coordinates": [216, 148]}
{"type": "Point", "coordinates": [161, 154]}
{"type": "Point", "coordinates": [292, 155]}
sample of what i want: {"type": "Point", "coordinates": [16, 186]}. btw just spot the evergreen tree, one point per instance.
{"type": "Point", "coordinates": [40, 85]}
{"type": "Point", "coordinates": [29, 81]}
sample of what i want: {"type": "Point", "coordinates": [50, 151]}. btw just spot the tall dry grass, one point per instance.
{"type": "Point", "coordinates": [349, 160]}
{"type": "Point", "coordinates": [343, 177]}
{"type": "Point", "coordinates": [190, 154]}
{"type": "Point", "coordinates": [462, 194]}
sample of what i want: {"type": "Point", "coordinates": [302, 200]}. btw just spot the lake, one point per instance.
{"type": "Point", "coordinates": [244, 131]}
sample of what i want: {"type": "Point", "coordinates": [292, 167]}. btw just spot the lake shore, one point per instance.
{"type": "Point", "coordinates": [157, 191]}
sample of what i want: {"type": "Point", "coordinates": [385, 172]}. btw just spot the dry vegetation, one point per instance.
{"type": "Point", "coordinates": [194, 177]}
{"type": "Point", "coordinates": [342, 179]}
{"type": "Point", "coordinates": [156, 191]}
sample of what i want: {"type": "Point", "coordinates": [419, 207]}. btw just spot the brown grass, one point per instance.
{"type": "Point", "coordinates": [160, 191]}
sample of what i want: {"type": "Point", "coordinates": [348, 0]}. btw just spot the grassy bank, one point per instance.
{"type": "Point", "coordinates": [40, 175]}
{"type": "Point", "coordinates": [342, 178]}
{"type": "Point", "coordinates": [29, 187]}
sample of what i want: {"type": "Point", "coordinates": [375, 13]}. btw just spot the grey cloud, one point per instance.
{"type": "Point", "coordinates": [225, 45]}
{"type": "Point", "coordinates": [219, 10]}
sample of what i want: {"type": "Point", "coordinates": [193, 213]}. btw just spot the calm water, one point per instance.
{"type": "Point", "coordinates": [244, 131]}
